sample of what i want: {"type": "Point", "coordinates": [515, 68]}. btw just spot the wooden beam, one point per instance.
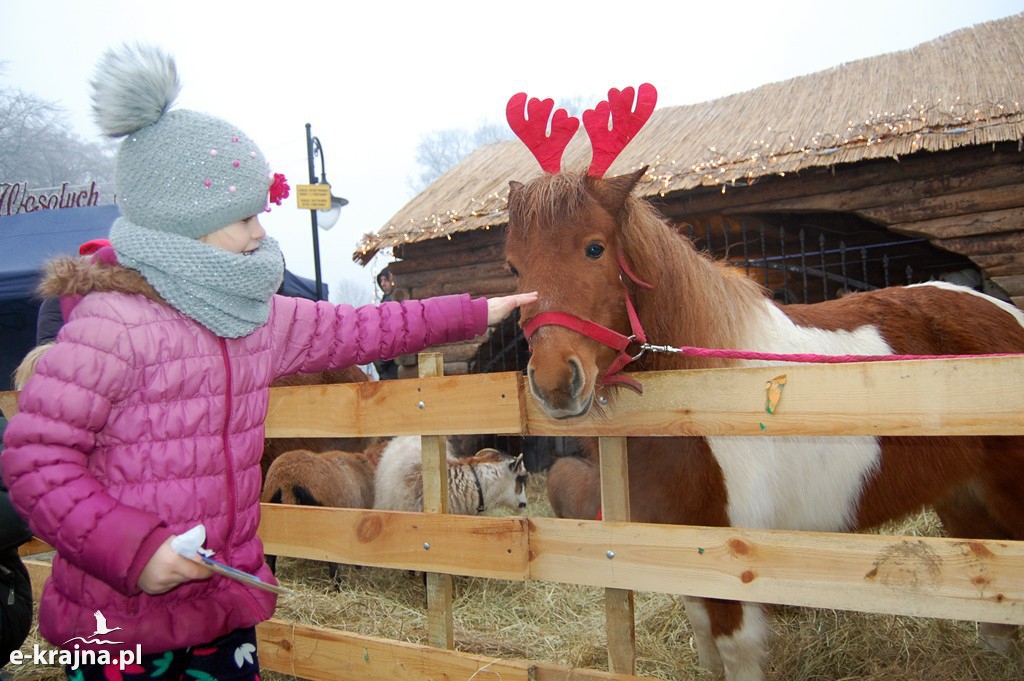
{"type": "Point", "coordinates": [451, 405]}
{"type": "Point", "coordinates": [965, 225]}
{"type": "Point", "coordinates": [944, 205]}
{"type": "Point", "coordinates": [988, 244]}
{"type": "Point", "coordinates": [440, 632]}
{"type": "Point", "coordinates": [9, 403]}
{"type": "Point", "coordinates": [918, 576]}
{"type": "Point", "coordinates": [499, 284]}
{"type": "Point", "coordinates": [447, 258]}
{"type": "Point", "coordinates": [619, 606]}
{"type": "Point", "coordinates": [322, 654]}
{"type": "Point", "coordinates": [472, 546]}
{"type": "Point", "coordinates": [38, 573]}
{"type": "Point", "coordinates": [816, 185]}
{"type": "Point", "coordinates": [1000, 264]}
{"type": "Point", "coordinates": [933, 397]}
{"type": "Point", "coordinates": [464, 275]}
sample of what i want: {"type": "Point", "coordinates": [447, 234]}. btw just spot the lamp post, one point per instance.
{"type": "Point", "coordinates": [324, 219]}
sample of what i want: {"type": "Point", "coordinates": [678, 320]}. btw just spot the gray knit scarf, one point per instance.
{"type": "Point", "coordinates": [226, 292]}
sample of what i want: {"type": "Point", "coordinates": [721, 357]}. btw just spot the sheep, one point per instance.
{"type": "Point", "coordinates": [574, 488]}
{"type": "Point", "coordinates": [335, 478]}
{"type": "Point", "coordinates": [491, 479]}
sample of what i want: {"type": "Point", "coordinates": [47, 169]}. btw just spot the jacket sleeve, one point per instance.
{"type": "Point", "coordinates": [13, 529]}
{"type": "Point", "coordinates": [45, 464]}
{"type": "Point", "coordinates": [318, 336]}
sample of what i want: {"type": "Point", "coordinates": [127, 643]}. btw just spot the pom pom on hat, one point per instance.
{"type": "Point", "coordinates": [133, 88]}
{"type": "Point", "coordinates": [177, 171]}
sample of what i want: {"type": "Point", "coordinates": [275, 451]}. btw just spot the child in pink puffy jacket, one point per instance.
{"type": "Point", "coordinates": [145, 419]}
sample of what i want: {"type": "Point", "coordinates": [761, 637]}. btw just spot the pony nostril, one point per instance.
{"type": "Point", "coordinates": [577, 380]}
{"type": "Point", "coordinates": [522, 504]}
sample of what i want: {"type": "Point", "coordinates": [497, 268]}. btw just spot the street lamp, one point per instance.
{"type": "Point", "coordinates": [324, 219]}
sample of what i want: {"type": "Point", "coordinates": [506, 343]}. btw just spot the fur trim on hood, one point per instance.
{"type": "Point", "coordinates": [80, 276]}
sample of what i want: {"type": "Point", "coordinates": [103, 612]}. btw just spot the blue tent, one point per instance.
{"type": "Point", "coordinates": [27, 241]}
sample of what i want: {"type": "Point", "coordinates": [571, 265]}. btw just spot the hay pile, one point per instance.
{"type": "Point", "coordinates": [565, 625]}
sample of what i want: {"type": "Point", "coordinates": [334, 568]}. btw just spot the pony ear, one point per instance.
{"type": "Point", "coordinates": [515, 189]}
{"type": "Point", "coordinates": [612, 192]}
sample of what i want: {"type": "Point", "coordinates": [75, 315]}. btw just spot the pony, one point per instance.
{"type": "Point", "coordinates": [574, 488]}
{"type": "Point", "coordinates": [608, 266]}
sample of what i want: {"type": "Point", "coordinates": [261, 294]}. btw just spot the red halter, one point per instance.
{"type": "Point", "coordinates": [602, 334]}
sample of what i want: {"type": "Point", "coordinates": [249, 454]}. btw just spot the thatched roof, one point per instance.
{"type": "Point", "coordinates": [963, 89]}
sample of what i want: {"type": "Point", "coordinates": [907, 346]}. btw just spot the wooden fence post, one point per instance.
{"type": "Point", "coordinates": [620, 623]}
{"type": "Point", "coordinates": [435, 500]}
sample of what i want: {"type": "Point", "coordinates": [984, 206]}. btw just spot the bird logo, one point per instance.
{"type": "Point", "coordinates": [101, 625]}
{"type": "Point", "coordinates": [102, 629]}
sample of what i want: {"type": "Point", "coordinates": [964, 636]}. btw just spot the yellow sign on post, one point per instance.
{"type": "Point", "coordinates": [313, 196]}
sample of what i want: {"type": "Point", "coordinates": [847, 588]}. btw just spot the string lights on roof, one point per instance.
{"type": "Point", "coordinates": [772, 153]}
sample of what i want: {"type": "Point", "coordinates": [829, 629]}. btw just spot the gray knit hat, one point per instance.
{"type": "Point", "coordinates": [180, 176]}
{"type": "Point", "coordinates": [180, 171]}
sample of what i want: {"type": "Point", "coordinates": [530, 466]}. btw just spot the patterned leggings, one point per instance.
{"type": "Point", "coordinates": [229, 658]}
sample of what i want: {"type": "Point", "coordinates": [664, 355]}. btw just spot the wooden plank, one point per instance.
{"type": "Point", "coordinates": [619, 606]}
{"type": "Point", "coordinates": [821, 184]}
{"type": "Point", "coordinates": [460, 241]}
{"type": "Point", "coordinates": [918, 576]}
{"type": "Point", "coordinates": [944, 205]}
{"type": "Point", "coordinates": [435, 500]}
{"type": "Point", "coordinates": [38, 573]}
{"type": "Point", "coordinates": [322, 654]}
{"type": "Point", "coordinates": [9, 403]}
{"type": "Point", "coordinates": [470, 253]}
{"type": "Point", "coordinates": [1000, 264]}
{"type": "Point", "coordinates": [988, 244]}
{"type": "Point", "coordinates": [974, 224]}
{"type": "Point", "coordinates": [463, 275]}
{"type": "Point", "coordinates": [34, 547]}
{"type": "Point", "coordinates": [451, 405]}
{"type": "Point", "coordinates": [899, 193]}
{"type": "Point", "coordinates": [933, 397]}
{"type": "Point", "coordinates": [490, 286]}
{"type": "Point", "coordinates": [475, 546]}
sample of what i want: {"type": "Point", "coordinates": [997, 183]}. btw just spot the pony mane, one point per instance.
{"type": "Point", "coordinates": [694, 301]}
{"type": "Point", "coordinates": [550, 199]}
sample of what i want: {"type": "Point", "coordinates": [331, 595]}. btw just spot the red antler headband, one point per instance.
{"type": "Point", "coordinates": [611, 125]}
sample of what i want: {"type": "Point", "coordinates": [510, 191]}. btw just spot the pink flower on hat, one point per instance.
{"type": "Point", "coordinates": [279, 189]}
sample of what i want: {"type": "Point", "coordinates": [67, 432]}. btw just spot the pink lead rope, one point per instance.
{"type": "Point", "coordinates": [691, 351]}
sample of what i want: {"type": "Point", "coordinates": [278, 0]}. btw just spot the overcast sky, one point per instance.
{"type": "Point", "coordinates": [374, 81]}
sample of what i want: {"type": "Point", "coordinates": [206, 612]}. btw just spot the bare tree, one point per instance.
{"type": "Point", "coordinates": [37, 145]}
{"type": "Point", "coordinates": [349, 290]}
{"type": "Point", "coordinates": [440, 150]}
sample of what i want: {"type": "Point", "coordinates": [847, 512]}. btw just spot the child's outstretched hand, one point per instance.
{"type": "Point", "coordinates": [500, 307]}
{"type": "Point", "coordinates": [167, 569]}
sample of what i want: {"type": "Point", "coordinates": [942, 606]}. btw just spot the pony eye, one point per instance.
{"type": "Point", "coordinates": [513, 270]}
{"type": "Point", "coordinates": [594, 251]}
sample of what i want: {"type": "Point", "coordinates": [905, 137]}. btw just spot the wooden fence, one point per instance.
{"type": "Point", "coordinates": [934, 577]}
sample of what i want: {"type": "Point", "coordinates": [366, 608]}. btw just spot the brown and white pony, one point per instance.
{"type": "Point", "coordinates": [588, 245]}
